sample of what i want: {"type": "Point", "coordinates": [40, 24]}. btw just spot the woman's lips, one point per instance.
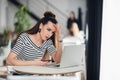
{"type": "Point", "coordinates": [46, 37]}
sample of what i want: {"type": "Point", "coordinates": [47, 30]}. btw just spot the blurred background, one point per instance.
{"type": "Point", "coordinates": [19, 15]}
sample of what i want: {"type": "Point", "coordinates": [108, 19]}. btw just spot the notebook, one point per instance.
{"type": "Point", "coordinates": [72, 55]}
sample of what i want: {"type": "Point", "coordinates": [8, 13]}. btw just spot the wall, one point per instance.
{"type": "Point", "coordinates": [71, 5]}
{"type": "Point", "coordinates": [64, 5]}
{"type": "Point", "coordinates": [3, 5]}
{"type": "Point", "coordinates": [11, 10]}
{"type": "Point", "coordinates": [110, 50]}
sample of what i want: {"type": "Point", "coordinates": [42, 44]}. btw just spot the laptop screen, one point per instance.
{"type": "Point", "coordinates": [72, 55]}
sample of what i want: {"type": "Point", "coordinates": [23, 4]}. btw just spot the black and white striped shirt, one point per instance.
{"type": "Point", "coordinates": [27, 50]}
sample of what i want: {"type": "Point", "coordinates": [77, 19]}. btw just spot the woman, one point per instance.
{"type": "Point", "coordinates": [70, 22]}
{"type": "Point", "coordinates": [31, 45]}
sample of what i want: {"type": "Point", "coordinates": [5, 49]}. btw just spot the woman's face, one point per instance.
{"type": "Point", "coordinates": [72, 15]}
{"type": "Point", "coordinates": [47, 30]}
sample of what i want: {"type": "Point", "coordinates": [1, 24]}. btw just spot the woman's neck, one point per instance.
{"type": "Point", "coordinates": [36, 38]}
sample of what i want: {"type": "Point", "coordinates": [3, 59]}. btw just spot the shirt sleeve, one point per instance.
{"type": "Point", "coordinates": [18, 46]}
{"type": "Point", "coordinates": [51, 48]}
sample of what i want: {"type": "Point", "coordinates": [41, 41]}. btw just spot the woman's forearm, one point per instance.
{"type": "Point", "coordinates": [12, 60]}
{"type": "Point", "coordinates": [59, 50]}
{"type": "Point", "coordinates": [16, 62]}
{"type": "Point", "coordinates": [59, 53]}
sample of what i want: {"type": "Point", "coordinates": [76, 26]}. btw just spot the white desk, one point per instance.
{"type": "Point", "coordinates": [46, 70]}
{"type": "Point", "coordinates": [38, 70]}
{"type": "Point", "coordinates": [42, 78]}
{"type": "Point", "coordinates": [42, 70]}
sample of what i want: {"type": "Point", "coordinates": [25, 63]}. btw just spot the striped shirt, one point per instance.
{"type": "Point", "coordinates": [27, 50]}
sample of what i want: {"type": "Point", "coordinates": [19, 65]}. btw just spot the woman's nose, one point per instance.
{"type": "Point", "coordinates": [49, 35]}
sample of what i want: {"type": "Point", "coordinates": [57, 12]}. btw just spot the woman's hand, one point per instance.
{"type": "Point", "coordinates": [39, 62]}
{"type": "Point", "coordinates": [58, 30]}
{"type": "Point", "coordinates": [57, 55]}
{"type": "Point", "coordinates": [12, 60]}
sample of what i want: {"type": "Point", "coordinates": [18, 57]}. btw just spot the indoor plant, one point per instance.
{"type": "Point", "coordinates": [23, 19]}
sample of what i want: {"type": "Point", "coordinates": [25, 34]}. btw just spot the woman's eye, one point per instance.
{"type": "Point", "coordinates": [49, 29]}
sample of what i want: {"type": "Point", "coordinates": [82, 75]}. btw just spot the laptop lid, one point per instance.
{"type": "Point", "coordinates": [72, 55]}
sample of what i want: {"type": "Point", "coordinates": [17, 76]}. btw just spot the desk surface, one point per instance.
{"type": "Point", "coordinates": [46, 70]}
{"type": "Point", "coordinates": [3, 71]}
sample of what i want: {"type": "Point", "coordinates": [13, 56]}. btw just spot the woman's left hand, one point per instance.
{"type": "Point", "coordinates": [58, 30]}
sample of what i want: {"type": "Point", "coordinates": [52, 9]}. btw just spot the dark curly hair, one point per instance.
{"type": "Point", "coordinates": [48, 16]}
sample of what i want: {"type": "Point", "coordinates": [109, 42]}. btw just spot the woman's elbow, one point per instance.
{"type": "Point", "coordinates": [11, 59]}
{"type": "Point", "coordinates": [8, 62]}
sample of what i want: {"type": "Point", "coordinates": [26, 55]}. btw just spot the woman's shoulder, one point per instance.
{"type": "Point", "coordinates": [49, 41]}
{"type": "Point", "coordinates": [22, 36]}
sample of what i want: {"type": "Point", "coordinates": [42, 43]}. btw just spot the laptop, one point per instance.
{"type": "Point", "coordinates": [72, 55]}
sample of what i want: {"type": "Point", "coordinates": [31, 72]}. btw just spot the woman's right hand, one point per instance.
{"type": "Point", "coordinates": [39, 62]}
{"type": "Point", "coordinates": [13, 61]}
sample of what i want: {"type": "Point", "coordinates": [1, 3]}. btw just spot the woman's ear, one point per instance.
{"type": "Point", "coordinates": [41, 25]}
